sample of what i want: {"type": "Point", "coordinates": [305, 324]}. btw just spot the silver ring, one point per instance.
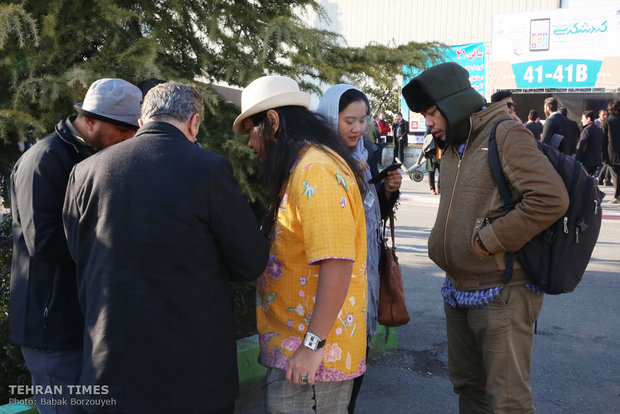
{"type": "Point", "coordinates": [304, 378]}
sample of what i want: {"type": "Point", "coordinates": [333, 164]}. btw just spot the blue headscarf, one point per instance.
{"type": "Point", "coordinates": [328, 107]}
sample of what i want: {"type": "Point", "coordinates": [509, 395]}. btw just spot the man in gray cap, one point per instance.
{"type": "Point", "coordinates": [45, 318]}
{"type": "Point", "coordinates": [488, 317]}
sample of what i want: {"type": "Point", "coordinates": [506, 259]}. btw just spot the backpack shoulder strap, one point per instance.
{"type": "Point", "coordinates": [497, 172]}
{"type": "Point", "coordinates": [498, 176]}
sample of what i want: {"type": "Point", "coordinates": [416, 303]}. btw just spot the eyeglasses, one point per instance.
{"type": "Point", "coordinates": [510, 104]}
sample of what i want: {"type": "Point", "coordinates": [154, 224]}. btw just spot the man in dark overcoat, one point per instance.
{"type": "Point", "coordinates": [556, 123]}
{"type": "Point", "coordinates": [158, 228]}
{"type": "Point", "coordinates": [611, 146]}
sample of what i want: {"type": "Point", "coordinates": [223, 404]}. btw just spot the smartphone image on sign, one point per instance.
{"type": "Point", "coordinates": [539, 34]}
{"type": "Point", "coordinates": [383, 173]}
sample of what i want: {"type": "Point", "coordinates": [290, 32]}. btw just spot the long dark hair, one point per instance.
{"type": "Point", "coordinates": [297, 127]}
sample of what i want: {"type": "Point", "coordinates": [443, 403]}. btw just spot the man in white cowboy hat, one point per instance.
{"type": "Point", "coordinates": [45, 318]}
{"type": "Point", "coordinates": [311, 299]}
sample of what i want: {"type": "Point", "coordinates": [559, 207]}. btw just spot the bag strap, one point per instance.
{"type": "Point", "coordinates": [392, 228]}
{"type": "Point", "coordinates": [385, 223]}
{"type": "Point", "coordinates": [498, 176]}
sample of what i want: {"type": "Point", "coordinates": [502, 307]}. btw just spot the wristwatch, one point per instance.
{"type": "Point", "coordinates": [312, 341]}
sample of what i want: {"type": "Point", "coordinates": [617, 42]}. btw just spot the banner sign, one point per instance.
{"type": "Point", "coordinates": [563, 48]}
{"type": "Point", "coordinates": [470, 56]}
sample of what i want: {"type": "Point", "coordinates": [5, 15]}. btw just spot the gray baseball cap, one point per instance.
{"type": "Point", "coordinates": [115, 101]}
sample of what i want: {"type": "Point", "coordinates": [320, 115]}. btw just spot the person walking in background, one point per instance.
{"type": "Point", "coordinates": [45, 317]}
{"type": "Point", "coordinates": [401, 136]}
{"type": "Point", "coordinates": [573, 132]}
{"type": "Point", "coordinates": [510, 103]}
{"type": "Point", "coordinates": [312, 299]}
{"type": "Point", "coordinates": [533, 125]}
{"type": "Point", "coordinates": [158, 228]}
{"type": "Point", "coordinates": [602, 116]}
{"type": "Point", "coordinates": [374, 134]}
{"type": "Point", "coordinates": [590, 143]}
{"type": "Point", "coordinates": [489, 322]}
{"type": "Point", "coordinates": [384, 127]}
{"type": "Point", "coordinates": [556, 123]}
{"type": "Point", "coordinates": [346, 109]}
{"type": "Point", "coordinates": [611, 146]}
{"type": "Point", "coordinates": [432, 155]}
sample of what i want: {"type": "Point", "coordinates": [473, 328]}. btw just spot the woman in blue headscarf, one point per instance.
{"type": "Point", "coordinates": [346, 108]}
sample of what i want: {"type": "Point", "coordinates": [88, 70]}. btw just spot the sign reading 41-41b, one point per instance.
{"type": "Point", "coordinates": [556, 73]}
{"type": "Point", "coordinates": [564, 48]}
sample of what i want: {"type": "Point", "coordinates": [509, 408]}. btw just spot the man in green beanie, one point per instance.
{"type": "Point", "coordinates": [489, 323]}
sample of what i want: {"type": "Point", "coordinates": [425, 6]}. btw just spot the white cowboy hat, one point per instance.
{"type": "Point", "coordinates": [269, 92]}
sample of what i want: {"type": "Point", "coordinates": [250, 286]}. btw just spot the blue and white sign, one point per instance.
{"type": "Point", "coordinates": [564, 48]}
{"type": "Point", "coordinates": [470, 56]}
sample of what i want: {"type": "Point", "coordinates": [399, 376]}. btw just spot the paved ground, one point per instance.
{"type": "Point", "coordinates": [576, 360]}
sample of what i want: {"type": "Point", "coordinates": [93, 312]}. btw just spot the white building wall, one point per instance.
{"type": "Point", "coordinates": [396, 22]}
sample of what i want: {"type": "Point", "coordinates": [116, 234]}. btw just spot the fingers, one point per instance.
{"type": "Point", "coordinates": [294, 375]}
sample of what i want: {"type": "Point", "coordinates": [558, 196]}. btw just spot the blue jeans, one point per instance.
{"type": "Point", "coordinates": [50, 368]}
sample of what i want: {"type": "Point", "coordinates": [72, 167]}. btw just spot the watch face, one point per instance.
{"type": "Point", "coordinates": [313, 342]}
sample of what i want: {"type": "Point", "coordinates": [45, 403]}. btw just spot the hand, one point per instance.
{"type": "Point", "coordinates": [480, 248]}
{"type": "Point", "coordinates": [392, 183]}
{"type": "Point", "coordinates": [304, 362]}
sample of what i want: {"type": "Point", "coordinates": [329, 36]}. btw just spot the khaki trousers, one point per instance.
{"type": "Point", "coordinates": [489, 352]}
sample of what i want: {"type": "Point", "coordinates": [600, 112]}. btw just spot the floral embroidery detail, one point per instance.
{"type": "Point", "coordinates": [341, 181]}
{"type": "Point", "coordinates": [302, 293]}
{"type": "Point", "coordinates": [307, 166]}
{"type": "Point", "coordinates": [264, 339]}
{"type": "Point", "coordinates": [309, 191]}
{"type": "Point", "coordinates": [352, 300]}
{"type": "Point", "coordinates": [274, 267]}
{"type": "Point", "coordinates": [347, 363]}
{"type": "Point", "coordinates": [349, 319]}
{"type": "Point", "coordinates": [301, 327]}
{"type": "Point", "coordinates": [343, 202]}
{"type": "Point", "coordinates": [263, 283]}
{"type": "Point", "coordinates": [333, 353]}
{"type": "Point", "coordinates": [292, 343]}
{"type": "Point", "coordinates": [300, 310]}
{"type": "Point", "coordinates": [264, 303]}
{"type": "Point", "coordinates": [338, 331]}
{"type": "Point", "coordinates": [302, 281]}
{"type": "Point", "coordinates": [289, 323]}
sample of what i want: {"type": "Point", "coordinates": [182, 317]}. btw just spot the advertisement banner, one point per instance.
{"type": "Point", "coordinates": [470, 56]}
{"type": "Point", "coordinates": [564, 48]}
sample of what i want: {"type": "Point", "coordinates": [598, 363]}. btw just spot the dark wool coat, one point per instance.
{"type": "Point", "coordinates": [590, 146]}
{"type": "Point", "coordinates": [611, 140]}
{"type": "Point", "coordinates": [44, 311]}
{"type": "Point", "coordinates": [557, 124]}
{"type": "Point", "coordinates": [159, 228]}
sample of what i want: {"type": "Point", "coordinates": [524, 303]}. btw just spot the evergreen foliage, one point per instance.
{"type": "Point", "coordinates": [52, 50]}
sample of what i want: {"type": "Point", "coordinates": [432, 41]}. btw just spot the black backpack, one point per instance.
{"type": "Point", "coordinates": [556, 259]}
